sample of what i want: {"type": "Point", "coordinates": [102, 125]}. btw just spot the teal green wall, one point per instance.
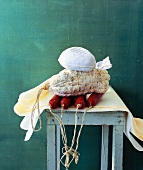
{"type": "Point", "coordinates": [33, 33]}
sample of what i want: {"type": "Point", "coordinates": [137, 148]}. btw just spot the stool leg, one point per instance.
{"type": "Point", "coordinates": [58, 145]}
{"type": "Point", "coordinates": [117, 148]}
{"type": "Point", "coordinates": [104, 147]}
{"type": "Point", "coordinates": [51, 149]}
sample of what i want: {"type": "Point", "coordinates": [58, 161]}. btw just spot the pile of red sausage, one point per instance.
{"type": "Point", "coordinates": [79, 101]}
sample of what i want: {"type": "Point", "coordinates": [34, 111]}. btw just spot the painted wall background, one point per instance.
{"type": "Point", "coordinates": [33, 33]}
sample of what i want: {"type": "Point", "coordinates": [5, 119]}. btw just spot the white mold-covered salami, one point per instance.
{"type": "Point", "coordinates": [73, 83]}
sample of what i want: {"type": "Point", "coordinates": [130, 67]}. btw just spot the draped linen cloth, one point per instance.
{"type": "Point", "coordinates": [110, 101]}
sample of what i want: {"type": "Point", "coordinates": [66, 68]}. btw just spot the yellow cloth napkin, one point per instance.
{"type": "Point", "coordinates": [110, 101]}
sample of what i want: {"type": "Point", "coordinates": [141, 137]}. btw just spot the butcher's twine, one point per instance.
{"type": "Point", "coordinates": [66, 150]}
{"type": "Point", "coordinates": [36, 106]}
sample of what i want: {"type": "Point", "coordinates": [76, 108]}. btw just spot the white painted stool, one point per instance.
{"type": "Point", "coordinates": [91, 118]}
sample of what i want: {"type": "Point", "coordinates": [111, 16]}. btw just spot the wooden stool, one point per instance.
{"type": "Point", "coordinates": [91, 118]}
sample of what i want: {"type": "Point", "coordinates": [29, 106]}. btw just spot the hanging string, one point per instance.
{"type": "Point", "coordinates": [82, 123]}
{"type": "Point", "coordinates": [66, 150]}
{"type": "Point", "coordinates": [36, 107]}
{"type": "Point", "coordinates": [63, 128]}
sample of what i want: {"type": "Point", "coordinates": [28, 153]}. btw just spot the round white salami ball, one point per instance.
{"type": "Point", "coordinates": [78, 59]}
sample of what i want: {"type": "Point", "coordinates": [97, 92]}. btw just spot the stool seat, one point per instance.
{"type": "Point", "coordinates": [114, 118]}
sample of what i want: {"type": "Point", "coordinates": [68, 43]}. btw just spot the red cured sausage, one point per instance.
{"type": "Point", "coordinates": [80, 102]}
{"type": "Point", "coordinates": [66, 102]}
{"type": "Point", "coordinates": [54, 103]}
{"type": "Point", "coordinates": [93, 99]}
